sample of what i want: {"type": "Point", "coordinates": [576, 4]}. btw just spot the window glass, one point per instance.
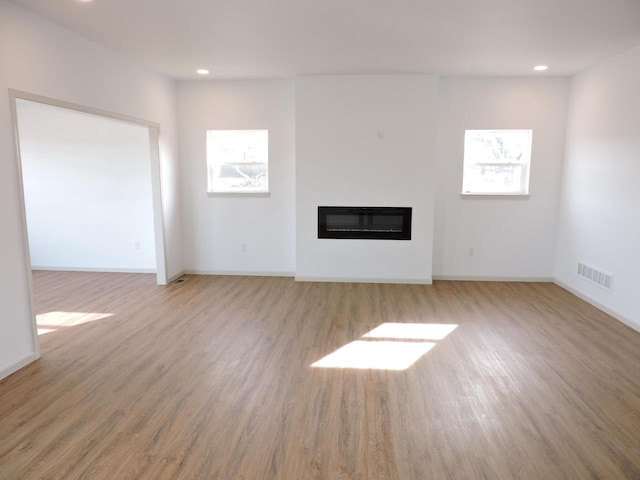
{"type": "Point", "coordinates": [237, 161]}
{"type": "Point", "coordinates": [496, 162]}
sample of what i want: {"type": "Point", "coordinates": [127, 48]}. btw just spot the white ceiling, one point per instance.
{"type": "Point", "coordinates": [283, 38]}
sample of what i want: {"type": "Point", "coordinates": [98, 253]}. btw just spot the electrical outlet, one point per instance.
{"type": "Point", "coordinates": [243, 247]}
{"type": "Point", "coordinates": [471, 252]}
{"type": "Point", "coordinates": [136, 245]}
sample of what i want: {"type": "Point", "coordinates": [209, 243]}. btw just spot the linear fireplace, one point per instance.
{"type": "Point", "coordinates": [372, 223]}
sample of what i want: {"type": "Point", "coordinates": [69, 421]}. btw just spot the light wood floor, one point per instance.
{"type": "Point", "coordinates": [212, 379]}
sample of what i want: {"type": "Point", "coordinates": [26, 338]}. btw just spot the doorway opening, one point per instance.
{"type": "Point", "coordinates": [91, 188]}
{"type": "Point", "coordinates": [110, 173]}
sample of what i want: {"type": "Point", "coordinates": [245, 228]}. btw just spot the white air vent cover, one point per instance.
{"type": "Point", "coordinates": [595, 275]}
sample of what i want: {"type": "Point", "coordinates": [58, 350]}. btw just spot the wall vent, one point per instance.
{"type": "Point", "coordinates": [595, 275]}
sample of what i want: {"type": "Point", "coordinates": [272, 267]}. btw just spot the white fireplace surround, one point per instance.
{"type": "Point", "coordinates": [365, 140]}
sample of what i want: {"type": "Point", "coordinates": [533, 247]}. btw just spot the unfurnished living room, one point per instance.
{"type": "Point", "coordinates": [319, 240]}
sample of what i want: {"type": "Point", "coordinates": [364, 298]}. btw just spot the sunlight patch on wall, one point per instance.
{"type": "Point", "coordinates": [403, 345]}
{"type": "Point", "coordinates": [52, 321]}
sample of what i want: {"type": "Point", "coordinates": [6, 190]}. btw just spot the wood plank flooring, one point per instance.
{"type": "Point", "coordinates": [212, 379]}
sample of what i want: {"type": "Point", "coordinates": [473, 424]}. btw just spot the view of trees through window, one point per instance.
{"type": "Point", "coordinates": [237, 161]}
{"type": "Point", "coordinates": [496, 161]}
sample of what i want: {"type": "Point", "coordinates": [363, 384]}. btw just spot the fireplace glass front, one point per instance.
{"type": "Point", "coordinates": [373, 223]}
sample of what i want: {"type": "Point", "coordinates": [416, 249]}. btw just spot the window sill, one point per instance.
{"type": "Point", "coordinates": [496, 196]}
{"type": "Point", "coordinates": [238, 194]}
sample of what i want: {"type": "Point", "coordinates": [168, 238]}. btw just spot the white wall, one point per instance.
{"type": "Point", "coordinates": [41, 58]}
{"type": "Point", "coordinates": [513, 237]}
{"type": "Point", "coordinates": [341, 161]}
{"type": "Point", "coordinates": [215, 226]}
{"type": "Point", "coordinates": [599, 210]}
{"type": "Point", "coordinates": [87, 188]}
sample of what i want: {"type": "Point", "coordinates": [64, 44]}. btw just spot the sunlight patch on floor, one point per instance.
{"type": "Point", "coordinates": [390, 346]}
{"type": "Point", "coordinates": [52, 321]}
{"type": "Point", "coordinates": [375, 355]}
{"type": "Point", "coordinates": [412, 331]}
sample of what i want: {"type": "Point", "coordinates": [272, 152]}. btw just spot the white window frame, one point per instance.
{"type": "Point", "coordinates": [524, 165]}
{"type": "Point", "coordinates": [215, 160]}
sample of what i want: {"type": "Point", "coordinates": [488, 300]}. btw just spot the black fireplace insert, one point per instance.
{"type": "Point", "coordinates": [372, 223]}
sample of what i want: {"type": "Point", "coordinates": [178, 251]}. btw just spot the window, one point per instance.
{"type": "Point", "coordinates": [496, 162]}
{"type": "Point", "coordinates": [237, 161]}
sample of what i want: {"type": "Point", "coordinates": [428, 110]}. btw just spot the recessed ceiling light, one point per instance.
{"type": "Point", "coordinates": [202, 71]}
{"type": "Point", "coordinates": [540, 68]}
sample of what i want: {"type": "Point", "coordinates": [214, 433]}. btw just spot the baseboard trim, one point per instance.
{"type": "Point", "coordinates": [94, 269]}
{"type": "Point", "coordinates": [407, 281]}
{"type": "Point", "coordinates": [239, 273]}
{"type": "Point", "coordinates": [483, 278]}
{"type": "Point", "coordinates": [609, 311]}
{"type": "Point", "coordinates": [15, 366]}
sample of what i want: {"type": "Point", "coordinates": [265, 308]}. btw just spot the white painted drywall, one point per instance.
{"type": "Point", "coordinates": [215, 226]}
{"type": "Point", "coordinates": [599, 210]}
{"type": "Point", "coordinates": [42, 58]}
{"type": "Point", "coordinates": [365, 141]}
{"type": "Point", "coordinates": [511, 237]}
{"type": "Point", "coordinates": [87, 188]}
